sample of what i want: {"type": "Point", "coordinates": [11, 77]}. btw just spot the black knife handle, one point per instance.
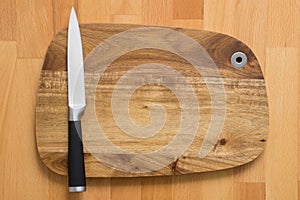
{"type": "Point", "coordinates": [76, 170]}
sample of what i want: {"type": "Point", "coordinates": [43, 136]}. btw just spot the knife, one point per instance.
{"type": "Point", "coordinates": [76, 104]}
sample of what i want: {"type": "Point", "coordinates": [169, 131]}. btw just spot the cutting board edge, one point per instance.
{"type": "Point", "coordinates": [150, 174]}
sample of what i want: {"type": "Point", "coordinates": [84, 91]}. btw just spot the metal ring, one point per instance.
{"type": "Point", "coordinates": [238, 59]}
{"type": "Point", "coordinates": [76, 188]}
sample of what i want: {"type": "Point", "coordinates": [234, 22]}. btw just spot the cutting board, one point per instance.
{"type": "Point", "coordinates": [160, 101]}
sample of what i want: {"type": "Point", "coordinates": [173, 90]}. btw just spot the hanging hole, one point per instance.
{"type": "Point", "coordinates": [238, 59]}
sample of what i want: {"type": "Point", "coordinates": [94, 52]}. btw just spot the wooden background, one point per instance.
{"type": "Point", "coordinates": [270, 27]}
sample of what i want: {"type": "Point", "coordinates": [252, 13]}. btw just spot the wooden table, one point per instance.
{"type": "Point", "coordinates": [272, 30]}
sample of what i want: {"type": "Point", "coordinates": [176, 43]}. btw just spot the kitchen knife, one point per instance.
{"type": "Point", "coordinates": [76, 103]}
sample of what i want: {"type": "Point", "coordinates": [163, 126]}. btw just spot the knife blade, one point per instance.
{"type": "Point", "coordinates": [76, 104]}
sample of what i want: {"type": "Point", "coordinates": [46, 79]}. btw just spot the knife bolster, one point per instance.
{"type": "Point", "coordinates": [75, 112]}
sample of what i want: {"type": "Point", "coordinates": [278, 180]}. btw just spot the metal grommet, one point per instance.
{"type": "Point", "coordinates": [238, 59]}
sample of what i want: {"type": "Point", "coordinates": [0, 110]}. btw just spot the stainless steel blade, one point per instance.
{"type": "Point", "coordinates": [76, 89]}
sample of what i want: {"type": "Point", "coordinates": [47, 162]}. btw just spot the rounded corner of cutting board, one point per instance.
{"type": "Point", "coordinates": [46, 162]}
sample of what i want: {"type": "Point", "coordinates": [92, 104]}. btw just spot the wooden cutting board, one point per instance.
{"type": "Point", "coordinates": [160, 101]}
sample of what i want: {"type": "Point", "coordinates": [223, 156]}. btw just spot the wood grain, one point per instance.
{"type": "Point", "coordinates": [8, 58]}
{"type": "Point", "coordinates": [250, 191]}
{"type": "Point", "coordinates": [8, 20]}
{"type": "Point", "coordinates": [277, 58]}
{"type": "Point", "coordinates": [61, 10]}
{"type": "Point", "coordinates": [92, 11]}
{"type": "Point", "coordinates": [23, 100]}
{"type": "Point", "coordinates": [260, 24]}
{"type": "Point", "coordinates": [192, 10]}
{"type": "Point", "coordinates": [243, 135]}
{"type": "Point", "coordinates": [157, 12]}
{"type": "Point", "coordinates": [34, 27]}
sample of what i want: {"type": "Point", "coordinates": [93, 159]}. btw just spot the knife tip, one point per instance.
{"type": "Point", "coordinates": [73, 16]}
{"type": "Point", "coordinates": [72, 10]}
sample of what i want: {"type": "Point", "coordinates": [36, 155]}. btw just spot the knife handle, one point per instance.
{"type": "Point", "coordinates": [76, 170]}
